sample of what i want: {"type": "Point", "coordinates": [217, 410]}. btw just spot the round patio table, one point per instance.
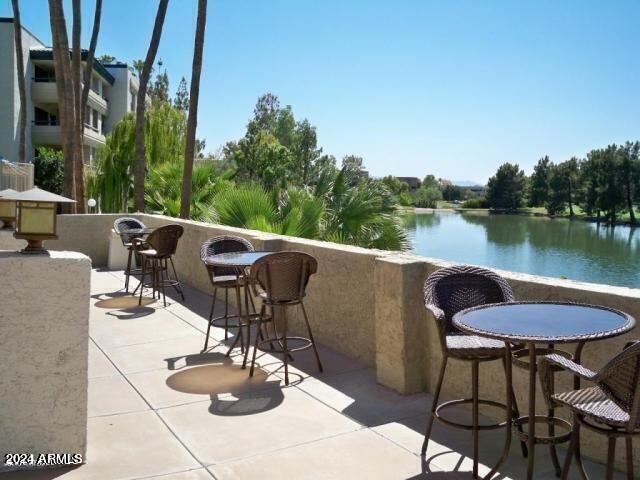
{"type": "Point", "coordinates": [547, 323]}
{"type": "Point", "coordinates": [240, 261]}
{"type": "Point", "coordinates": [137, 232]}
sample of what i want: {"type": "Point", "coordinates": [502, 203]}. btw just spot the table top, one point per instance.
{"type": "Point", "coordinates": [137, 231]}
{"type": "Point", "coordinates": [543, 322]}
{"type": "Point", "coordinates": [235, 259]}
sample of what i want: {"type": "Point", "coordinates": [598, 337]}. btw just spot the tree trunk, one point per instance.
{"type": "Point", "coordinates": [632, 215]}
{"type": "Point", "coordinates": [192, 122]}
{"type": "Point", "coordinates": [78, 130]}
{"type": "Point", "coordinates": [140, 163]}
{"type": "Point", "coordinates": [88, 67]}
{"type": "Point", "coordinates": [17, 34]}
{"type": "Point", "coordinates": [570, 193]}
{"type": "Point", "coordinates": [64, 89]}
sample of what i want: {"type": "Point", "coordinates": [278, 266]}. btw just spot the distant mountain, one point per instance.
{"type": "Point", "coordinates": [465, 183]}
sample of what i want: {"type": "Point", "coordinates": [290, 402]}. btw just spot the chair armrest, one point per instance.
{"type": "Point", "coordinates": [554, 362]}
{"type": "Point", "coordinates": [138, 243]}
{"type": "Point", "coordinates": [436, 312]}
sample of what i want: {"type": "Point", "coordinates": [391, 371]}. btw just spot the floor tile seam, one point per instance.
{"type": "Point", "coordinates": [155, 412]}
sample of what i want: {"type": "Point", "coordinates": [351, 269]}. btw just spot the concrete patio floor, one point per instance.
{"type": "Point", "coordinates": [160, 409]}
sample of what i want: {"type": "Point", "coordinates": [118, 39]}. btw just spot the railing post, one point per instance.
{"type": "Point", "coordinates": [400, 323]}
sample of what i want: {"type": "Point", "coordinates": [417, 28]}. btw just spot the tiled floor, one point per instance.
{"type": "Point", "coordinates": [160, 409]}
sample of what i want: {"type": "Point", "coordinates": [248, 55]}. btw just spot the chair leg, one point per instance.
{"type": "Point", "coordinates": [127, 272]}
{"type": "Point", "coordinates": [178, 286]}
{"type": "Point", "coordinates": [162, 273]}
{"type": "Point", "coordinates": [255, 346]}
{"type": "Point", "coordinates": [144, 272]}
{"type": "Point", "coordinates": [516, 412]}
{"type": "Point", "coordinates": [213, 306]}
{"type": "Point", "coordinates": [239, 312]}
{"type": "Point", "coordinates": [436, 395]}
{"type": "Point", "coordinates": [475, 365]}
{"type": "Point", "coordinates": [313, 343]}
{"type": "Point", "coordinates": [611, 456]}
{"type": "Point", "coordinates": [575, 439]}
{"type": "Point", "coordinates": [551, 427]}
{"type": "Point", "coordinates": [285, 349]}
{"type": "Point", "coordinates": [629, 447]}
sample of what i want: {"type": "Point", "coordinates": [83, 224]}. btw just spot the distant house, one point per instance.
{"type": "Point", "coordinates": [113, 93]}
{"type": "Point", "coordinates": [413, 182]}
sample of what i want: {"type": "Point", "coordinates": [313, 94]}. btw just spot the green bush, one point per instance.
{"type": "Point", "coordinates": [476, 203]}
{"type": "Point", "coordinates": [49, 169]}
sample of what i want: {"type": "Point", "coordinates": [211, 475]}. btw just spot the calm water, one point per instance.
{"type": "Point", "coordinates": [551, 247]}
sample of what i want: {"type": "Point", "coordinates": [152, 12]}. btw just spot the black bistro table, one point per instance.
{"type": "Point", "coordinates": [530, 329]}
{"type": "Point", "coordinates": [239, 261]}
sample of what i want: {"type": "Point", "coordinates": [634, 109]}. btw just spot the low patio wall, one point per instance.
{"type": "Point", "coordinates": [367, 304]}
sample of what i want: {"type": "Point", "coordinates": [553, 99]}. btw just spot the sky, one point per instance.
{"type": "Point", "coordinates": [450, 87]}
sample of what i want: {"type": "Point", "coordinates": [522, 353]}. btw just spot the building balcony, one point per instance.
{"type": "Point", "coordinates": [50, 134]}
{"type": "Point", "coordinates": [44, 91]}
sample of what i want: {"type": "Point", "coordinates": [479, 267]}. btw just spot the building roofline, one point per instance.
{"type": "Point", "coordinates": [10, 20]}
{"type": "Point", "coordinates": [47, 54]}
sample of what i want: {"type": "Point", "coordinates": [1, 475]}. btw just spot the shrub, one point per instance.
{"type": "Point", "coordinates": [49, 169]}
{"type": "Point", "coordinates": [476, 203]}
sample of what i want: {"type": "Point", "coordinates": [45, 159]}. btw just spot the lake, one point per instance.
{"type": "Point", "coordinates": [542, 246]}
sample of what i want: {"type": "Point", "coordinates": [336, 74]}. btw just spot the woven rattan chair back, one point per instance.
{"type": "Point", "coordinates": [283, 276]}
{"type": "Point", "coordinates": [453, 289]}
{"type": "Point", "coordinates": [620, 380]}
{"type": "Point", "coordinates": [125, 224]}
{"type": "Point", "coordinates": [224, 244]}
{"type": "Point", "coordinates": [164, 240]}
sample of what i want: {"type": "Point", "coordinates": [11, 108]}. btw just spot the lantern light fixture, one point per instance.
{"type": "Point", "coordinates": [36, 218]}
{"type": "Point", "coordinates": [7, 209]}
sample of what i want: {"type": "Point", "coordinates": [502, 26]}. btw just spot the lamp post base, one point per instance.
{"type": "Point", "coordinates": [34, 247]}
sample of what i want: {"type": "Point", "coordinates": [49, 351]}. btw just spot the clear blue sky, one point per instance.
{"type": "Point", "coordinates": [452, 88]}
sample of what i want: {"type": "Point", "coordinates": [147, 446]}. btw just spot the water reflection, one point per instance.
{"type": "Point", "coordinates": [551, 247]}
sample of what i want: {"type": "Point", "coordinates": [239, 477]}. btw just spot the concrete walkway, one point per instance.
{"type": "Point", "coordinates": [160, 409]}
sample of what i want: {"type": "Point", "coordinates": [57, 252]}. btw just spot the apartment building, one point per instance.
{"type": "Point", "coordinates": [113, 92]}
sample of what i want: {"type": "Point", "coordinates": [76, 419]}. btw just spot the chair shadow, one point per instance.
{"type": "Point", "coordinates": [132, 313]}
{"type": "Point", "coordinates": [231, 390]}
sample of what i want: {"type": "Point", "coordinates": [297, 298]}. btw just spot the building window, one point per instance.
{"type": "Point", "coordinates": [42, 117]}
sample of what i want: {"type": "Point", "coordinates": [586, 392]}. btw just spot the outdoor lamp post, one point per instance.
{"type": "Point", "coordinates": [36, 220]}
{"type": "Point", "coordinates": [7, 209]}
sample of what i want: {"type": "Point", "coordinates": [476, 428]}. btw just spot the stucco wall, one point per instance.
{"type": "Point", "coordinates": [44, 336]}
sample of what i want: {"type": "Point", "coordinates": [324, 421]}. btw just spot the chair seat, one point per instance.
{"type": "Point", "coordinates": [472, 346]}
{"type": "Point", "coordinates": [150, 252]}
{"type": "Point", "coordinates": [226, 281]}
{"type": "Point", "coordinates": [594, 403]}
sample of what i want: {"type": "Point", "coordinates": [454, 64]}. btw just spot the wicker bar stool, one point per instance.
{"type": "Point", "coordinates": [280, 280]}
{"type": "Point", "coordinates": [610, 407]}
{"type": "Point", "coordinates": [225, 278]}
{"type": "Point", "coordinates": [121, 227]}
{"type": "Point", "coordinates": [446, 292]}
{"type": "Point", "coordinates": [157, 252]}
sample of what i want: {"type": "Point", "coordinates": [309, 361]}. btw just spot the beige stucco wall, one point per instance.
{"type": "Point", "coordinates": [44, 334]}
{"type": "Point", "coordinates": [368, 304]}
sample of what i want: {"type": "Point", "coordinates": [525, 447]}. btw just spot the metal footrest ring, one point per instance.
{"type": "Point", "coordinates": [518, 355]}
{"type": "Point", "coordinates": [467, 426]}
{"type": "Point", "coordinates": [541, 439]}
{"type": "Point", "coordinates": [278, 341]}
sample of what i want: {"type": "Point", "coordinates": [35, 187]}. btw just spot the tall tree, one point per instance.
{"type": "Point", "coordinates": [630, 172]}
{"type": "Point", "coordinates": [64, 87]}
{"type": "Point", "coordinates": [140, 163]}
{"type": "Point", "coordinates": [505, 190]}
{"type": "Point", "coordinates": [192, 122]}
{"type": "Point", "coordinates": [539, 192]}
{"type": "Point", "coordinates": [181, 100]}
{"type": "Point", "coordinates": [78, 126]}
{"type": "Point", "coordinates": [17, 36]}
{"type": "Point", "coordinates": [88, 65]}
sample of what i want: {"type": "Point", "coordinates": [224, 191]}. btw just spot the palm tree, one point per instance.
{"type": "Point", "coordinates": [88, 66]}
{"type": "Point", "coordinates": [64, 87]}
{"type": "Point", "coordinates": [78, 126]}
{"type": "Point", "coordinates": [17, 32]}
{"type": "Point", "coordinates": [140, 164]}
{"type": "Point", "coordinates": [189, 150]}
